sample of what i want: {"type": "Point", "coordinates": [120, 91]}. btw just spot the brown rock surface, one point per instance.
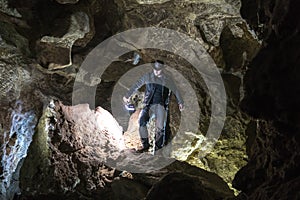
{"type": "Point", "coordinates": [77, 148]}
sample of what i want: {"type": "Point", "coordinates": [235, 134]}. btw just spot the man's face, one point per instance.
{"type": "Point", "coordinates": [157, 72]}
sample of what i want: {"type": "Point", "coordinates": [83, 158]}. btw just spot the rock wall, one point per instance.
{"type": "Point", "coordinates": [272, 97]}
{"type": "Point", "coordinates": [43, 44]}
{"type": "Point", "coordinates": [69, 159]}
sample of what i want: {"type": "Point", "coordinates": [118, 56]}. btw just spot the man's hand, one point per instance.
{"type": "Point", "coordinates": [126, 100]}
{"type": "Point", "coordinates": [181, 107]}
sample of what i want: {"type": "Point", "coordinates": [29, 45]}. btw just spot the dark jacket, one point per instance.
{"type": "Point", "coordinates": [151, 81]}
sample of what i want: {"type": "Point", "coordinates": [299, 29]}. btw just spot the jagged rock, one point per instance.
{"type": "Point", "coordinates": [9, 33]}
{"type": "Point", "coordinates": [68, 153]}
{"type": "Point", "coordinates": [239, 46]}
{"type": "Point", "coordinates": [271, 92]}
{"type": "Point", "coordinates": [5, 8]}
{"type": "Point", "coordinates": [13, 76]}
{"type": "Point", "coordinates": [56, 52]}
{"type": "Point", "coordinates": [271, 96]}
{"type": "Point", "coordinates": [274, 166]}
{"type": "Point", "coordinates": [204, 21]}
{"type": "Point", "coordinates": [70, 147]}
{"type": "Point", "coordinates": [15, 145]}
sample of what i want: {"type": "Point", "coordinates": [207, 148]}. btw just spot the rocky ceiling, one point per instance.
{"type": "Point", "coordinates": [52, 150]}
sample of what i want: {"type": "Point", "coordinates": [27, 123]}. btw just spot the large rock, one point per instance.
{"type": "Point", "coordinates": [205, 21]}
{"type": "Point", "coordinates": [69, 148]}
{"type": "Point", "coordinates": [172, 185]}
{"type": "Point", "coordinates": [68, 155]}
{"type": "Point", "coordinates": [272, 97]}
{"type": "Point", "coordinates": [13, 76]}
{"type": "Point", "coordinates": [20, 105]}
{"type": "Point", "coordinates": [56, 52]}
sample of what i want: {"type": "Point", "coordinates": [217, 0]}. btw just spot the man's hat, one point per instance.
{"type": "Point", "coordinates": [158, 64]}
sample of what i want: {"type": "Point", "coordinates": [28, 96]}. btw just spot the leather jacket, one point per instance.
{"type": "Point", "coordinates": [151, 82]}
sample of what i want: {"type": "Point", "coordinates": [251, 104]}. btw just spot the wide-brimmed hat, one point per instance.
{"type": "Point", "coordinates": [158, 64]}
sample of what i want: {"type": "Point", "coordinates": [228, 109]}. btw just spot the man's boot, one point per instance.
{"type": "Point", "coordinates": [146, 145]}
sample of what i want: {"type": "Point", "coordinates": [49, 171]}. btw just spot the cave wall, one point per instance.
{"type": "Point", "coordinates": [271, 81]}
{"type": "Point", "coordinates": [272, 96]}
{"type": "Point", "coordinates": [55, 37]}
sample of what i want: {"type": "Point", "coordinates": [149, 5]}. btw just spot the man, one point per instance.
{"type": "Point", "coordinates": [156, 99]}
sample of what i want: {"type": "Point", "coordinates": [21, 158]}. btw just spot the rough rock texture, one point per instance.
{"type": "Point", "coordinates": [272, 96]}
{"type": "Point", "coordinates": [217, 26]}
{"type": "Point", "coordinates": [20, 108]}
{"type": "Point", "coordinates": [56, 52]}
{"type": "Point", "coordinates": [204, 21]}
{"type": "Point", "coordinates": [11, 76]}
{"type": "Point", "coordinates": [131, 136]}
{"type": "Point", "coordinates": [225, 36]}
{"type": "Point", "coordinates": [71, 149]}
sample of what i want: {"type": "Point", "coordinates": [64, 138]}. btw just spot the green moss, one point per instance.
{"type": "Point", "coordinates": [36, 171]}
{"type": "Point", "coordinates": [229, 153]}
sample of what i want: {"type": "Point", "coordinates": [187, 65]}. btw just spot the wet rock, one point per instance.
{"type": "Point", "coordinates": [19, 114]}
